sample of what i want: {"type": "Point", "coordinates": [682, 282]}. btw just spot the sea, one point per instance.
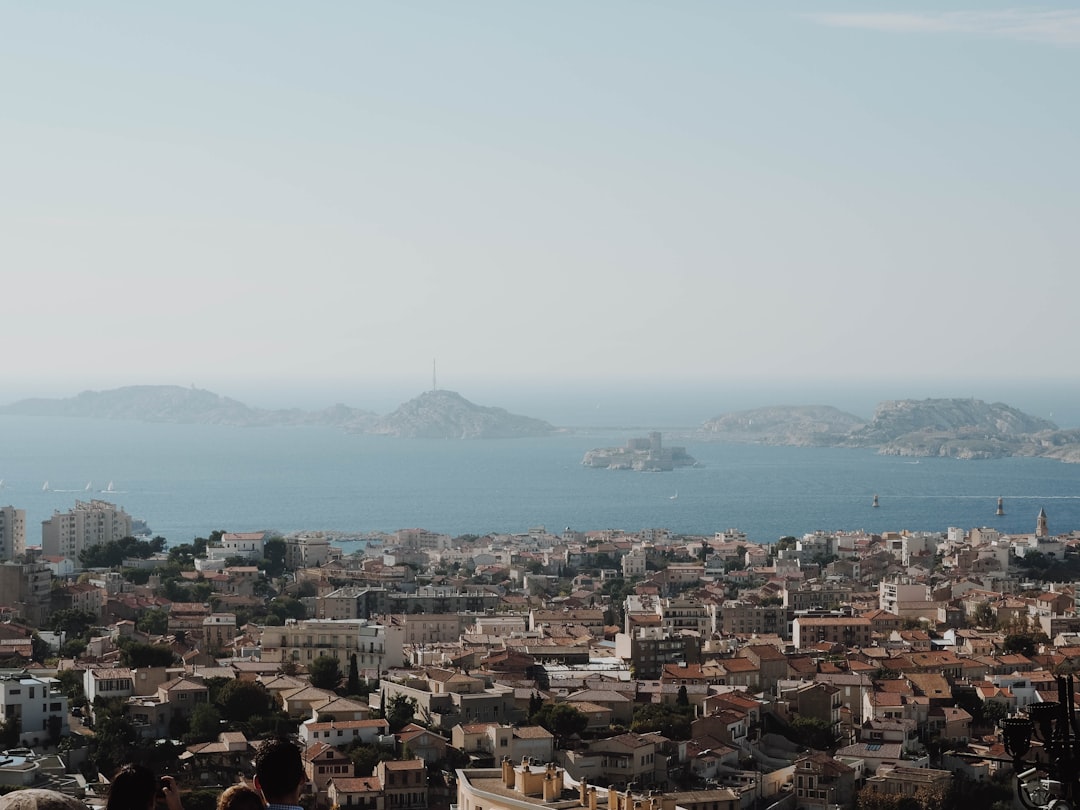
{"type": "Point", "coordinates": [188, 480]}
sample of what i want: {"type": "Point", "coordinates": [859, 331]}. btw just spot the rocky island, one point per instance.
{"type": "Point", "coordinates": [955, 428]}
{"type": "Point", "coordinates": [442, 414]}
{"type": "Point", "coordinates": [646, 454]}
{"type": "Point", "coordinates": [436, 414]}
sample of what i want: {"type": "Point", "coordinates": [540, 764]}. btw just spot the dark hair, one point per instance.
{"type": "Point", "coordinates": [240, 797]}
{"type": "Point", "coordinates": [279, 768]}
{"type": "Point", "coordinates": [133, 788]}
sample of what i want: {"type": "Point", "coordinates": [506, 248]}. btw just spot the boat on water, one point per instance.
{"type": "Point", "coordinates": [45, 487]}
{"type": "Point", "coordinates": [674, 497]}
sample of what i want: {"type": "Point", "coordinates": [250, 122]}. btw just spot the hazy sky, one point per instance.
{"type": "Point", "coordinates": [336, 193]}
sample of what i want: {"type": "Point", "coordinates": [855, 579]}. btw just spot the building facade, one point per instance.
{"type": "Point", "coordinates": [90, 523]}
{"type": "Point", "coordinates": [12, 532]}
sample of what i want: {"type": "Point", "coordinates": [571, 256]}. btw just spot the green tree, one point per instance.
{"type": "Point", "coordinates": [401, 710]}
{"type": "Point", "coordinates": [135, 654]}
{"type": "Point", "coordinates": [562, 720]}
{"type": "Point", "coordinates": [671, 721]}
{"type": "Point", "coordinates": [73, 623]}
{"type": "Point", "coordinates": [536, 703]}
{"type": "Point", "coordinates": [325, 672]}
{"type": "Point", "coordinates": [205, 723]}
{"type": "Point", "coordinates": [9, 732]}
{"type": "Point", "coordinates": [984, 616]}
{"type": "Point", "coordinates": [365, 757]}
{"type": "Point", "coordinates": [814, 733]}
{"type": "Point", "coordinates": [243, 700]}
{"type": "Point", "coordinates": [273, 561]}
{"type": "Point", "coordinates": [353, 687]}
{"type": "Point", "coordinates": [683, 698]}
{"type": "Point", "coordinates": [154, 621]}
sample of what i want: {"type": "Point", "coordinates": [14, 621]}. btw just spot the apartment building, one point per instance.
{"type": "Point", "coordinates": [27, 589]}
{"type": "Point", "coordinates": [38, 706]}
{"type": "Point", "coordinates": [90, 523]}
{"type": "Point", "coordinates": [12, 532]}
{"type": "Point", "coordinates": [376, 646]}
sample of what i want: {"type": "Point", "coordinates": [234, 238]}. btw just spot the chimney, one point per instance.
{"type": "Point", "coordinates": [592, 798]}
{"type": "Point", "coordinates": [583, 787]}
{"type": "Point", "coordinates": [552, 784]}
{"type": "Point", "coordinates": [507, 772]}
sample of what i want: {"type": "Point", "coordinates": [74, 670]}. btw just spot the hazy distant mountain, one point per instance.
{"type": "Point", "coordinates": [435, 414]}
{"type": "Point", "coordinates": [448, 415]}
{"type": "Point", "coordinates": [173, 403]}
{"type": "Point", "coordinates": [958, 428]}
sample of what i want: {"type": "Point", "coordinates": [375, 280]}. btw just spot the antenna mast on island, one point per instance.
{"type": "Point", "coordinates": [434, 379]}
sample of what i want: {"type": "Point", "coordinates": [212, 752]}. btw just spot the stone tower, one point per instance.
{"type": "Point", "coordinates": [1040, 525]}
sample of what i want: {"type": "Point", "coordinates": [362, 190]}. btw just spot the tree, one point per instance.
{"type": "Point", "coordinates": [154, 622]}
{"type": "Point", "coordinates": [353, 687]}
{"type": "Point", "coordinates": [984, 615]}
{"type": "Point", "coordinates": [9, 733]}
{"type": "Point", "coordinates": [205, 723]}
{"type": "Point", "coordinates": [365, 756]}
{"type": "Point", "coordinates": [401, 710]}
{"type": "Point", "coordinates": [536, 703]}
{"type": "Point", "coordinates": [73, 623]}
{"type": "Point", "coordinates": [683, 698]}
{"type": "Point", "coordinates": [325, 672]}
{"type": "Point", "coordinates": [135, 654]}
{"type": "Point", "coordinates": [562, 720]}
{"type": "Point", "coordinates": [273, 562]}
{"type": "Point", "coordinates": [671, 721]}
{"type": "Point", "coordinates": [243, 700]}
{"type": "Point", "coordinates": [54, 726]}
{"type": "Point", "coordinates": [814, 732]}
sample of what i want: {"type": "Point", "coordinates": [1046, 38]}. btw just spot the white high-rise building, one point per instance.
{"type": "Point", "coordinates": [12, 532]}
{"type": "Point", "coordinates": [92, 523]}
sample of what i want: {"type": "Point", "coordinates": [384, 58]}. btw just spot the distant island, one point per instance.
{"type": "Point", "coordinates": [646, 454]}
{"type": "Point", "coordinates": [434, 414]}
{"type": "Point", "coordinates": [954, 428]}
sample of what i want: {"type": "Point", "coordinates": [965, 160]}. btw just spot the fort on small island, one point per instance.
{"type": "Point", "coordinates": [641, 454]}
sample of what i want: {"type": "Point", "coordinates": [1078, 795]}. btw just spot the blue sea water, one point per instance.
{"type": "Point", "coordinates": [187, 480]}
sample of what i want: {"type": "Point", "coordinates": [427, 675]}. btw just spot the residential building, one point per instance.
{"type": "Point", "coordinates": [306, 551]}
{"type": "Point", "coordinates": [38, 706]}
{"type": "Point", "coordinates": [12, 532]}
{"type": "Point", "coordinates": [850, 631]}
{"type": "Point", "coordinates": [90, 523]}
{"type": "Point", "coordinates": [648, 649]}
{"type": "Point", "coordinates": [27, 589]}
{"type": "Point", "coordinates": [404, 784]}
{"type": "Point", "coordinates": [377, 647]}
{"type": "Point", "coordinates": [821, 781]}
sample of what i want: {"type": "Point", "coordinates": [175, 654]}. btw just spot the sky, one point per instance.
{"type": "Point", "coordinates": [330, 196]}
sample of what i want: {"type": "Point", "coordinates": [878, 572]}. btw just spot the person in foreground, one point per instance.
{"type": "Point", "coordinates": [136, 788]}
{"type": "Point", "coordinates": [240, 797]}
{"type": "Point", "coordinates": [279, 774]}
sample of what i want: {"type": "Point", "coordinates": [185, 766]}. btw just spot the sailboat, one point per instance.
{"type": "Point", "coordinates": [45, 487]}
{"type": "Point", "coordinates": [89, 486]}
{"type": "Point", "coordinates": [109, 488]}
{"type": "Point", "coordinates": [674, 497]}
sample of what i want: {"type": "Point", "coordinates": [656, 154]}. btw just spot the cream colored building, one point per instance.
{"type": "Point", "coordinates": [377, 647]}
{"type": "Point", "coordinates": [526, 786]}
{"type": "Point", "coordinates": [90, 523]}
{"type": "Point", "coordinates": [12, 532]}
